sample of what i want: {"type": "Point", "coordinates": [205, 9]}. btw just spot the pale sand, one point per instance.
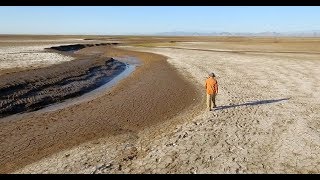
{"type": "Point", "coordinates": [267, 122]}
{"type": "Point", "coordinates": [29, 56]}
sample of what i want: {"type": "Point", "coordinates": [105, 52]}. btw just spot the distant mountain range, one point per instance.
{"type": "Point", "coordinates": [312, 33]}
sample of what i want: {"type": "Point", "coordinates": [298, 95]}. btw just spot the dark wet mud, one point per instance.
{"type": "Point", "coordinates": [35, 89]}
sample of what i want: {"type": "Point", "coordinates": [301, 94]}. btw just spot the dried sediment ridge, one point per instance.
{"type": "Point", "coordinates": [21, 56]}
{"type": "Point", "coordinates": [75, 47]}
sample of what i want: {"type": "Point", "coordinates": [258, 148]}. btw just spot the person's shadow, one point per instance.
{"type": "Point", "coordinates": [253, 103]}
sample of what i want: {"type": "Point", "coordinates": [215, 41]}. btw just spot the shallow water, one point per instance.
{"type": "Point", "coordinates": [96, 93]}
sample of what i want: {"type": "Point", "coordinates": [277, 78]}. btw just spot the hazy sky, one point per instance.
{"type": "Point", "coordinates": [154, 19]}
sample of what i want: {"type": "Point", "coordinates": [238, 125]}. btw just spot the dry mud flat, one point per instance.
{"type": "Point", "coordinates": [268, 119]}
{"type": "Point", "coordinates": [132, 105]}
{"type": "Point", "coordinates": [267, 122]}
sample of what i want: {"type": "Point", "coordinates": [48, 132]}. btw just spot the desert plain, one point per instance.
{"type": "Point", "coordinates": [155, 120]}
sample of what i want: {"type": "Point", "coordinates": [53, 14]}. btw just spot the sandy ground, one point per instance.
{"type": "Point", "coordinates": [267, 121]}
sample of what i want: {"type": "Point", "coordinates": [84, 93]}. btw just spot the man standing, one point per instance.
{"type": "Point", "coordinates": [212, 90]}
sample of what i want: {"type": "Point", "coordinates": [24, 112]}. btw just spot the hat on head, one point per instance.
{"type": "Point", "coordinates": [212, 75]}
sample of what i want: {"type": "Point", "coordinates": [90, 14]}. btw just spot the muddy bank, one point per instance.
{"type": "Point", "coordinates": [154, 93]}
{"type": "Point", "coordinates": [75, 47]}
{"type": "Point", "coordinates": [28, 91]}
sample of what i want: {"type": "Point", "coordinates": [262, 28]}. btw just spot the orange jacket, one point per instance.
{"type": "Point", "coordinates": [211, 86]}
